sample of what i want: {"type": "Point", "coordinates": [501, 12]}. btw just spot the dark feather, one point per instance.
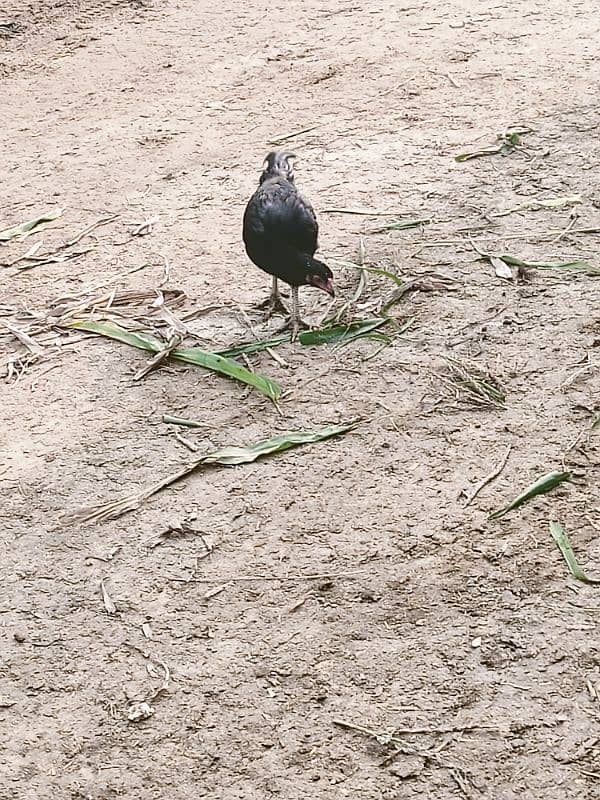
{"type": "Point", "coordinates": [280, 227]}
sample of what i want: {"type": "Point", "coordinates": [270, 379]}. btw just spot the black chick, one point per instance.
{"type": "Point", "coordinates": [280, 233]}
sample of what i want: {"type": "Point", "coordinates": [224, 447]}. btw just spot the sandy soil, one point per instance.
{"type": "Point", "coordinates": [465, 638]}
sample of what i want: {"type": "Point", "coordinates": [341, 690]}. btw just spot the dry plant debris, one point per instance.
{"type": "Point", "coordinates": [361, 575]}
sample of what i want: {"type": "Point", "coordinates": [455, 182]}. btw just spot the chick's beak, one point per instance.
{"type": "Point", "coordinates": [323, 283]}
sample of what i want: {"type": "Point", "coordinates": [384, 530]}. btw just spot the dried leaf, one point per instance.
{"type": "Point", "coordinates": [535, 205]}
{"type": "Point", "coordinates": [513, 261]}
{"type": "Point", "coordinates": [108, 603]}
{"type": "Point", "coordinates": [501, 268]}
{"type": "Point", "coordinates": [574, 266]}
{"type": "Point", "coordinates": [137, 712]}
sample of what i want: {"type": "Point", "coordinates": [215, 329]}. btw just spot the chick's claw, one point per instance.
{"type": "Point", "coordinates": [294, 326]}
{"type": "Point", "coordinates": [274, 305]}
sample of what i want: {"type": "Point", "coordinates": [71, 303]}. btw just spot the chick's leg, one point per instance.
{"type": "Point", "coordinates": [274, 305]}
{"type": "Point", "coordinates": [295, 322]}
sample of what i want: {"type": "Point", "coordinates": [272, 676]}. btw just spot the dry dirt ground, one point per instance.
{"type": "Point", "coordinates": [467, 639]}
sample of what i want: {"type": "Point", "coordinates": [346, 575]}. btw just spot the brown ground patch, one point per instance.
{"type": "Point", "coordinates": [428, 616]}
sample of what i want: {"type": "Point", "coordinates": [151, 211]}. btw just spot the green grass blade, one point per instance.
{"type": "Point", "coordinates": [189, 423]}
{"type": "Point", "coordinates": [356, 295]}
{"type": "Point", "coordinates": [360, 286]}
{"type": "Point", "coordinates": [507, 142]}
{"type": "Point", "coordinates": [486, 151]}
{"type": "Point", "coordinates": [226, 366]}
{"type": "Point", "coordinates": [191, 355]}
{"type": "Point", "coordinates": [385, 273]}
{"type": "Point", "coordinates": [26, 228]}
{"type": "Point", "coordinates": [341, 334]}
{"type": "Point", "coordinates": [333, 334]}
{"type": "Point", "coordinates": [405, 224]}
{"type": "Point", "coordinates": [113, 331]}
{"type": "Point", "coordinates": [596, 422]}
{"type": "Point", "coordinates": [544, 484]}
{"type": "Point", "coordinates": [253, 347]}
{"type": "Point", "coordinates": [277, 444]}
{"type": "Point", "coordinates": [564, 545]}
{"type": "Point", "coordinates": [227, 456]}
{"type": "Point", "coordinates": [574, 266]}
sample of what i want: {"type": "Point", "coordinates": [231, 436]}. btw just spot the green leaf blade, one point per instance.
{"type": "Point", "coordinates": [113, 331]}
{"type": "Point", "coordinates": [29, 227]}
{"type": "Point", "coordinates": [573, 266]}
{"type": "Point", "coordinates": [559, 535]}
{"type": "Point", "coordinates": [341, 334]}
{"type": "Point", "coordinates": [385, 273]}
{"type": "Point", "coordinates": [545, 484]}
{"type": "Point", "coordinates": [226, 456]}
{"type": "Point", "coordinates": [332, 334]}
{"type": "Point", "coordinates": [405, 224]}
{"type": "Point", "coordinates": [226, 366]}
{"type": "Point", "coordinates": [234, 455]}
{"type": "Point", "coordinates": [191, 355]}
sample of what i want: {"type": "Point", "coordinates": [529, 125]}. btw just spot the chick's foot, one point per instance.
{"type": "Point", "coordinates": [274, 305]}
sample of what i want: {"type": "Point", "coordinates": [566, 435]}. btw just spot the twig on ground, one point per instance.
{"type": "Point", "coordinates": [363, 212]}
{"type": "Point", "coordinates": [165, 682]}
{"type": "Point", "coordinates": [25, 339]}
{"type": "Point", "coordinates": [393, 88]}
{"type": "Point", "coordinates": [567, 230]}
{"type": "Point", "coordinates": [166, 272]}
{"type": "Point", "coordinates": [427, 283]}
{"type": "Point", "coordinates": [489, 478]}
{"type": "Point", "coordinates": [186, 443]}
{"type": "Point", "coordinates": [53, 257]}
{"type": "Point", "coordinates": [145, 227]}
{"type": "Point", "coordinates": [172, 343]}
{"type": "Point", "coordinates": [190, 423]}
{"type": "Point", "coordinates": [451, 79]}
{"type": "Point", "coordinates": [281, 139]}
{"type": "Point", "coordinates": [429, 754]}
{"type": "Point", "coordinates": [176, 333]}
{"type": "Point", "coordinates": [243, 578]}
{"type": "Point", "coordinates": [88, 230]}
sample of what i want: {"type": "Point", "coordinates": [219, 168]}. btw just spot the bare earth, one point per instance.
{"type": "Point", "coordinates": [466, 637]}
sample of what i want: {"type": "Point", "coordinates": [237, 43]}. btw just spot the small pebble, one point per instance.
{"type": "Point", "coordinates": [19, 636]}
